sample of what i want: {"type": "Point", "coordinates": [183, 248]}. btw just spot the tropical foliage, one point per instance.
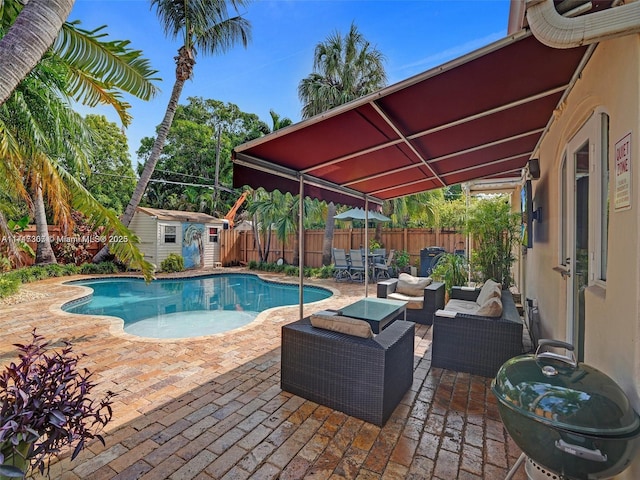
{"type": "Point", "coordinates": [26, 37]}
{"type": "Point", "coordinates": [495, 231]}
{"type": "Point", "coordinates": [111, 178]}
{"type": "Point", "coordinates": [46, 405]}
{"type": "Point", "coordinates": [195, 164]}
{"type": "Point", "coordinates": [452, 270]}
{"type": "Point", "coordinates": [204, 26]}
{"type": "Point", "coordinates": [44, 144]}
{"type": "Point", "coordinates": [344, 68]}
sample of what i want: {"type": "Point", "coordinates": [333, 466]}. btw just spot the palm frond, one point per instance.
{"type": "Point", "coordinates": [99, 216]}
{"type": "Point", "coordinates": [112, 62]}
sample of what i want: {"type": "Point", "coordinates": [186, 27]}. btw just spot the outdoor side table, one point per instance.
{"type": "Point", "coordinates": [377, 312]}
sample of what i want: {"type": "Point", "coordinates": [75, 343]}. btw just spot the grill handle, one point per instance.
{"type": "Point", "coordinates": [594, 455]}
{"type": "Point", "coordinates": [546, 343]}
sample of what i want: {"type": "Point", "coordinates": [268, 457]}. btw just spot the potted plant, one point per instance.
{"type": "Point", "coordinates": [45, 406]}
{"type": "Point", "coordinates": [450, 269]}
{"type": "Point", "coordinates": [401, 261]}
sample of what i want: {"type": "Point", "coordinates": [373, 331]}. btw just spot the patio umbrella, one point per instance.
{"type": "Point", "coordinates": [361, 214]}
{"type": "Point", "coordinates": [366, 216]}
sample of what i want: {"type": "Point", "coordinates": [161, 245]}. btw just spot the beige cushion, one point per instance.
{"type": "Point", "coordinates": [338, 323]}
{"type": "Point", "coordinates": [412, 286]}
{"type": "Point", "coordinates": [462, 306]}
{"type": "Point", "coordinates": [491, 308]}
{"type": "Point", "coordinates": [489, 290]}
{"type": "Point", "coordinates": [413, 303]}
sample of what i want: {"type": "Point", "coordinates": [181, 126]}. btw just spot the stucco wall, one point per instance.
{"type": "Point", "coordinates": [609, 82]}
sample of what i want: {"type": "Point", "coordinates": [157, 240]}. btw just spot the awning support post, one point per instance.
{"type": "Point", "coordinates": [301, 247]}
{"type": "Point", "coordinates": [366, 247]}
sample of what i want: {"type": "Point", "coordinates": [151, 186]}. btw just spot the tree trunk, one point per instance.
{"type": "Point", "coordinates": [33, 32]}
{"type": "Point", "coordinates": [149, 165]}
{"type": "Point", "coordinates": [7, 236]}
{"type": "Point", "coordinates": [327, 240]}
{"type": "Point", "coordinates": [44, 252]}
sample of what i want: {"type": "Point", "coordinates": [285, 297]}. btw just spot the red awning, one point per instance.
{"type": "Point", "coordinates": [479, 116]}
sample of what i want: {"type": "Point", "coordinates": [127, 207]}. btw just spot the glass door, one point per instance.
{"type": "Point", "coordinates": [576, 235]}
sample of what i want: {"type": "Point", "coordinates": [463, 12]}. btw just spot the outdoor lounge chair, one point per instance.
{"type": "Point", "coordinates": [362, 377]}
{"type": "Point", "coordinates": [422, 304]}
{"type": "Point", "coordinates": [341, 265]}
{"type": "Point", "coordinates": [383, 269]}
{"type": "Point", "coordinates": [356, 263]}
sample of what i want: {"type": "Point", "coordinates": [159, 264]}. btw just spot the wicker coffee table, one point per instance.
{"type": "Point", "coordinates": [378, 312]}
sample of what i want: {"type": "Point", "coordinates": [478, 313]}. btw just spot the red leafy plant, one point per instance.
{"type": "Point", "coordinates": [45, 406]}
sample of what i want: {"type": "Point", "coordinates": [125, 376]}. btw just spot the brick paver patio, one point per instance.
{"type": "Point", "coordinates": [212, 408]}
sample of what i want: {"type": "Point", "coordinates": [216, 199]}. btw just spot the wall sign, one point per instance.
{"type": "Point", "coordinates": [622, 187]}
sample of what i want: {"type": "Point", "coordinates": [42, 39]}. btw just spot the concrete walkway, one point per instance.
{"type": "Point", "coordinates": [212, 408]}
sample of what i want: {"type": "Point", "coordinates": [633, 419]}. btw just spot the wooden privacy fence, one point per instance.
{"type": "Point", "coordinates": [238, 247]}
{"type": "Point", "coordinates": [89, 243]}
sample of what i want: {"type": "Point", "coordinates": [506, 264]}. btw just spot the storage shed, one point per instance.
{"type": "Point", "coordinates": [195, 236]}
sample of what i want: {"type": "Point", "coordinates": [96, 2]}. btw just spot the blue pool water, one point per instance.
{"type": "Point", "coordinates": [188, 307]}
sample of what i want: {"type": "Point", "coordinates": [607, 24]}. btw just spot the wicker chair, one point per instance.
{"type": "Point", "coordinates": [476, 344]}
{"type": "Point", "coordinates": [362, 377]}
{"type": "Point", "coordinates": [432, 300]}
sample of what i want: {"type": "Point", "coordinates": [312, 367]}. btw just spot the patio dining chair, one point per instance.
{"type": "Point", "coordinates": [357, 265]}
{"type": "Point", "coordinates": [383, 269]}
{"type": "Point", "coordinates": [341, 265]}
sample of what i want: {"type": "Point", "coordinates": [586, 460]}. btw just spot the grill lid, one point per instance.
{"type": "Point", "coordinates": [555, 390]}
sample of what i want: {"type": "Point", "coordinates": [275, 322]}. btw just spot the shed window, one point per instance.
{"type": "Point", "coordinates": [169, 234]}
{"type": "Point", "coordinates": [213, 235]}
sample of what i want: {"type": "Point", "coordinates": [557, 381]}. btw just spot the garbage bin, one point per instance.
{"type": "Point", "coordinates": [427, 256]}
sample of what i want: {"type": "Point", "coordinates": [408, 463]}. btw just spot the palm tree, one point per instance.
{"type": "Point", "coordinates": [278, 122]}
{"type": "Point", "coordinates": [204, 25]}
{"type": "Point", "coordinates": [29, 37]}
{"type": "Point", "coordinates": [344, 69]}
{"type": "Point", "coordinates": [45, 143]}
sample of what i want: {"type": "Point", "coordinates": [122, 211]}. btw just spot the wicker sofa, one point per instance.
{"type": "Point", "coordinates": [477, 344]}
{"type": "Point", "coordinates": [362, 377]}
{"type": "Point", "coordinates": [420, 308]}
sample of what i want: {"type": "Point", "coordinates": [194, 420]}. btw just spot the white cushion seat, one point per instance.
{"type": "Point", "coordinates": [413, 303]}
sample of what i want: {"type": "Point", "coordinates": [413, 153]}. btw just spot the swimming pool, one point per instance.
{"type": "Point", "coordinates": [188, 307]}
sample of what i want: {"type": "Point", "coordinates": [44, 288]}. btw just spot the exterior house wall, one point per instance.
{"type": "Point", "coordinates": [145, 228]}
{"type": "Point", "coordinates": [165, 249]}
{"type": "Point", "coordinates": [150, 230]}
{"type": "Point", "coordinates": [611, 83]}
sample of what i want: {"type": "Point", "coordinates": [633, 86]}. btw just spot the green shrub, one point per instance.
{"type": "Point", "coordinates": [173, 263]}
{"type": "Point", "coordinates": [106, 268]}
{"type": "Point", "coordinates": [8, 285]}
{"type": "Point", "coordinates": [450, 269]}
{"type": "Point", "coordinates": [88, 269]}
{"type": "Point", "coordinates": [5, 264]}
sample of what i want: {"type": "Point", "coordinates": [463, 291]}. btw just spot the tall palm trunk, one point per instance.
{"type": "Point", "coordinates": [44, 251]}
{"type": "Point", "coordinates": [31, 35]}
{"type": "Point", "coordinates": [327, 239]}
{"type": "Point", "coordinates": [184, 69]}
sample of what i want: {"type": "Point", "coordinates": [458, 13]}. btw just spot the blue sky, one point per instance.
{"type": "Point", "coordinates": [414, 36]}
